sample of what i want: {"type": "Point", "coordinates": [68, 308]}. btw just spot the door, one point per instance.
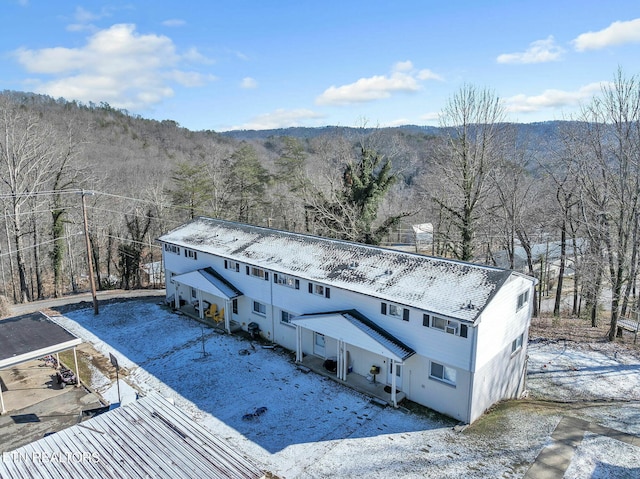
{"type": "Point", "coordinates": [398, 372]}
{"type": "Point", "coordinates": [318, 344]}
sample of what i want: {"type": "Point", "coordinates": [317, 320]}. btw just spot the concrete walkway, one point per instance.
{"type": "Point", "coordinates": [553, 460]}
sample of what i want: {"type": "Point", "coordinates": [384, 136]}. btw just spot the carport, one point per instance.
{"type": "Point", "coordinates": [31, 336]}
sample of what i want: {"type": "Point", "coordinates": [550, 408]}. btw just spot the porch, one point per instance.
{"type": "Point", "coordinates": [354, 381]}
{"type": "Point", "coordinates": [191, 311]}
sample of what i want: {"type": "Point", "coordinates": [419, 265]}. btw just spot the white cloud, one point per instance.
{"type": "Point", "coordinates": [540, 51]}
{"type": "Point", "coordinates": [615, 34]}
{"type": "Point", "coordinates": [431, 116]}
{"type": "Point", "coordinates": [279, 119]}
{"type": "Point", "coordinates": [552, 99]}
{"type": "Point", "coordinates": [403, 78]}
{"type": "Point", "coordinates": [248, 83]}
{"type": "Point", "coordinates": [174, 22]}
{"type": "Point", "coordinates": [117, 65]}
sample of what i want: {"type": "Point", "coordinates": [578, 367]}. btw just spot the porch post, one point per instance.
{"type": "Point", "coordinates": [227, 316]}
{"type": "Point", "coordinates": [199, 298]}
{"type": "Point", "coordinates": [298, 344]}
{"type": "Point", "coordinates": [393, 383]}
{"type": "Point", "coordinates": [3, 410]}
{"type": "Point", "coordinates": [340, 360]}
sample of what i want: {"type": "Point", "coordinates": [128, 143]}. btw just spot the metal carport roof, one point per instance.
{"type": "Point", "coordinates": [146, 438]}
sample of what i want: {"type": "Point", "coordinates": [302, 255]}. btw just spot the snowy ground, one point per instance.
{"type": "Point", "coordinates": [314, 427]}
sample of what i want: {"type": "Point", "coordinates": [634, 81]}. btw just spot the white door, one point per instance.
{"type": "Point", "coordinates": [398, 372]}
{"type": "Point", "coordinates": [318, 344]}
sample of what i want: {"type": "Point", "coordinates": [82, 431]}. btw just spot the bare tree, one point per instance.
{"type": "Point", "coordinates": [610, 182]}
{"type": "Point", "coordinates": [474, 132]}
{"type": "Point", "coordinates": [28, 152]}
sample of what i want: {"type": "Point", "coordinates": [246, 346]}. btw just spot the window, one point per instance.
{"type": "Point", "coordinates": [319, 339]}
{"type": "Point", "coordinates": [189, 253]}
{"type": "Point", "coordinates": [523, 298]}
{"type": "Point", "coordinates": [234, 305]}
{"type": "Point", "coordinates": [259, 308]}
{"type": "Point", "coordinates": [193, 293]}
{"type": "Point", "coordinates": [394, 310]}
{"type": "Point", "coordinates": [257, 272]}
{"type": "Point", "coordinates": [443, 373]}
{"type": "Point", "coordinates": [516, 344]}
{"type": "Point", "coordinates": [285, 280]}
{"type": "Point", "coordinates": [172, 248]}
{"type": "Point", "coordinates": [232, 265]}
{"type": "Point", "coordinates": [319, 290]}
{"type": "Point", "coordinates": [446, 325]}
{"type": "Point", "coordinates": [286, 317]}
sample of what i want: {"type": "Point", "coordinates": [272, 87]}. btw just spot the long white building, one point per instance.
{"type": "Point", "coordinates": [446, 334]}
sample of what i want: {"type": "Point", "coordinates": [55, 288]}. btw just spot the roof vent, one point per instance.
{"type": "Point", "coordinates": [388, 272]}
{"type": "Point", "coordinates": [353, 265]}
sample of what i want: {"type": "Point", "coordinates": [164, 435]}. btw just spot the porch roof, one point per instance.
{"type": "Point", "coordinates": [353, 328]}
{"type": "Point", "coordinates": [209, 281]}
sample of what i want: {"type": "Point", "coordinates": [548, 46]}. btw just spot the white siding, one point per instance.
{"type": "Point", "coordinates": [500, 323]}
{"type": "Point", "coordinates": [450, 400]}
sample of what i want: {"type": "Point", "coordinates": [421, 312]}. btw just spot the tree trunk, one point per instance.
{"type": "Point", "coordinates": [563, 259]}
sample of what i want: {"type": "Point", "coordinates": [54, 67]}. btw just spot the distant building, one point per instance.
{"type": "Point", "coordinates": [445, 334]}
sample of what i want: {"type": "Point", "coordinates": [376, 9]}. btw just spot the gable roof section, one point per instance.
{"type": "Point", "coordinates": [209, 281]}
{"type": "Point", "coordinates": [31, 336]}
{"type": "Point", "coordinates": [354, 328]}
{"type": "Point", "coordinates": [146, 438]}
{"type": "Point", "coordinates": [451, 288]}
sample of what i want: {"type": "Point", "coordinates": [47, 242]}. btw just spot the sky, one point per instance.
{"type": "Point", "coordinates": [256, 64]}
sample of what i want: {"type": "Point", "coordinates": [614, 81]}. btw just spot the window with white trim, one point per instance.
{"type": "Point", "coordinates": [189, 253]}
{"type": "Point", "coordinates": [394, 310]}
{"type": "Point", "coordinates": [172, 248]}
{"type": "Point", "coordinates": [286, 280]}
{"type": "Point", "coordinates": [232, 265]}
{"type": "Point", "coordinates": [257, 272]}
{"type": "Point", "coordinates": [446, 325]}
{"type": "Point", "coordinates": [523, 299]}
{"type": "Point", "coordinates": [442, 373]}
{"type": "Point", "coordinates": [259, 308]}
{"type": "Point", "coordinates": [286, 317]}
{"type": "Point", "coordinates": [319, 290]}
{"type": "Point", "coordinates": [516, 344]}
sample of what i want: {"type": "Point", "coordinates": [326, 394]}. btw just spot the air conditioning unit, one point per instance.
{"type": "Point", "coordinates": [452, 329]}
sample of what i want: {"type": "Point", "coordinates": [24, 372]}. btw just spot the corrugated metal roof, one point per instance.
{"type": "Point", "coordinates": [146, 438]}
{"type": "Point", "coordinates": [353, 328]}
{"type": "Point", "coordinates": [450, 288]}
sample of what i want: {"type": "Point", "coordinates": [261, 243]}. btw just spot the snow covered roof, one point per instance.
{"type": "Point", "coordinates": [209, 281]}
{"type": "Point", "coordinates": [146, 438]}
{"type": "Point", "coordinates": [447, 287]}
{"type": "Point", "coordinates": [353, 328]}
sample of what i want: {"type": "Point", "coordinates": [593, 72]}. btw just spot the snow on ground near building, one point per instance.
{"type": "Point", "coordinates": [314, 427]}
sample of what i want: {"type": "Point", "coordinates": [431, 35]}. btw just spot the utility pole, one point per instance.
{"type": "Point", "coordinates": [92, 280]}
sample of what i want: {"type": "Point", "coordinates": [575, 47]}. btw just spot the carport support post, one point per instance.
{"type": "Point", "coordinates": [75, 359]}
{"type": "Point", "coordinates": [2, 402]}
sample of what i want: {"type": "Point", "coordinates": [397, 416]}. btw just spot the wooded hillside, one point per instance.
{"type": "Point", "coordinates": [493, 192]}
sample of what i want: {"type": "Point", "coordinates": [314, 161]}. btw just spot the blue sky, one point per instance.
{"type": "Point", "coordinates": [256, 64]}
